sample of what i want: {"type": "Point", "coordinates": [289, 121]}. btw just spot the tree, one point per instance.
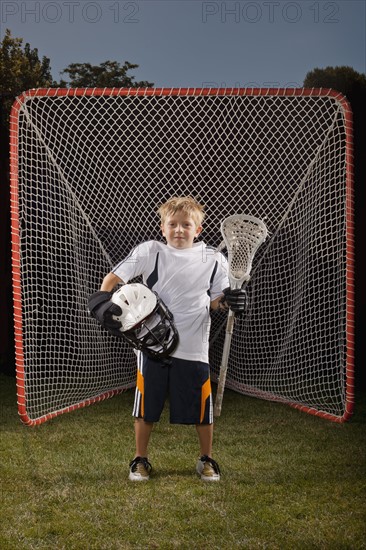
{"type": "Point", "coordinates": [20, 69]}
{"type": "Point", "coordinates": [344, 79]}
{"type": "Point", "coordinates": [109, 74]}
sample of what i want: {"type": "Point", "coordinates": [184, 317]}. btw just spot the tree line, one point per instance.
{"type": "Point", "coordinates": [22, 69]}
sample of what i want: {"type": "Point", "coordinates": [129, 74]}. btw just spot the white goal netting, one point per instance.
{"type": "Point", "coordinates": [89, 170]}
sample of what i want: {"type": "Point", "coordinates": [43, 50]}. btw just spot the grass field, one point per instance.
{"type": "Point", "coordinates": [289, 481]}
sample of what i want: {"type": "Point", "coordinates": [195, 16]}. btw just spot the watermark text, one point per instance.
{"type": "Point", "coordinates": [69, 12]}
{"type": "Point", "coordinates": [270, 12]}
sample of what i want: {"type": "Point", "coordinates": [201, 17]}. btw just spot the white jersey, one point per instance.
{"type": "Point", "coordinates": [187, 280]}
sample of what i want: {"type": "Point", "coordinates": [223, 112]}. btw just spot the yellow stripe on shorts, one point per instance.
{"type": "Point", "coordinates": [140, 387]}
{"type": "Point", "coordinates": [205, 393]}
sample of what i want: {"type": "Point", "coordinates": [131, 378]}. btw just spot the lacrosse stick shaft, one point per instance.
{"type": "Point", "coordinates": [224, 363]}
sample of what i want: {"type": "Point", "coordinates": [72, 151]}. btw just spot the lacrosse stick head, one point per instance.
{"type": "Point", "coordinates": [242, 235]}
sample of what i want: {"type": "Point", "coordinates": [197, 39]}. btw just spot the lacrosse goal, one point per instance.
{"type": "Point", "coordinates": [89, 168]}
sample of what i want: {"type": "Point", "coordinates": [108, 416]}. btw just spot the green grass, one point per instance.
{"type": "Point", "coordinates": [289, 481]}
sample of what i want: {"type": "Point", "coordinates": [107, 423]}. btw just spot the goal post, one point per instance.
{"type": "Point", "coordinates": [89, 168]}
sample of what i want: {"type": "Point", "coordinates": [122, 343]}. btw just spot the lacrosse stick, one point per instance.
{"type": "Point", "coordinates": [242, 237]}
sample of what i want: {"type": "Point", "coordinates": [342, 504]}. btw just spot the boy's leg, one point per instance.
{"type": "Point", "coordinates": [142, 436]}
{"type": "Point", "coordinates": [150, 394]}
{"type": "Point", "coordinates": [206, 467]}
{"type": "Point", "coordinates": [140, 467]}
{"type": "Point", "coordinates": [191, 403]}
{"type": "Point", "coordinates": [205, 436]}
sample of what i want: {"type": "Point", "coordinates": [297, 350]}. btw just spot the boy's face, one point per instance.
{"type": "Point", "coordinates": [180, 230]}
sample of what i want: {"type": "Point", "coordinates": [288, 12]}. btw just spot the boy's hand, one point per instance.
{"type": "Point", "coordinates": [236, 300]}
{"type": "Point", "coordinates": [101, 308]}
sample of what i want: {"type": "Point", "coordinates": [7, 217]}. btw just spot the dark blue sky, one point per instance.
{"type": "Point", "coordinates": [193, 43]}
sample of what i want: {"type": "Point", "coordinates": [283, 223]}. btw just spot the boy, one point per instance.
{"type": "Point", "coordinates": [189, 277]}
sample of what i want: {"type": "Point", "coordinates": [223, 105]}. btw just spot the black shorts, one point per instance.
{"type": "Point", "coordinates": [186, 382]}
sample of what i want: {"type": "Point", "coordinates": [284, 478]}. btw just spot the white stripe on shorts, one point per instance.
{"type": "Point", "coordinates": [137, 403]}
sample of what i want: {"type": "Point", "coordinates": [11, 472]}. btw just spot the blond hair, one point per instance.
{"type": "Point", "coordinates": [189, 205]}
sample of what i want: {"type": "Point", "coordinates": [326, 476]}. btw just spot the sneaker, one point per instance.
{"type": "Point", "coordinates": [208, 469]}
{"type": "Point", "coordinates": [140, 469]}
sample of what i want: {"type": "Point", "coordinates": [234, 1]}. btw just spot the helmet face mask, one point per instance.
{"type": "Point", "coordinates": [147, 324]}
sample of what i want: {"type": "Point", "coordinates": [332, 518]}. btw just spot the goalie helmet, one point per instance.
{"type": "Point", "coordinates": [146, 322]}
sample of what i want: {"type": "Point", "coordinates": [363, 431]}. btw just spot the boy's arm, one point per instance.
{"type": "Point", "coordinates": [101, 307]}
{"type": "Point", "coordinates": [109, 282]}
{"type": "Point", "coordinates": [217, 303]}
